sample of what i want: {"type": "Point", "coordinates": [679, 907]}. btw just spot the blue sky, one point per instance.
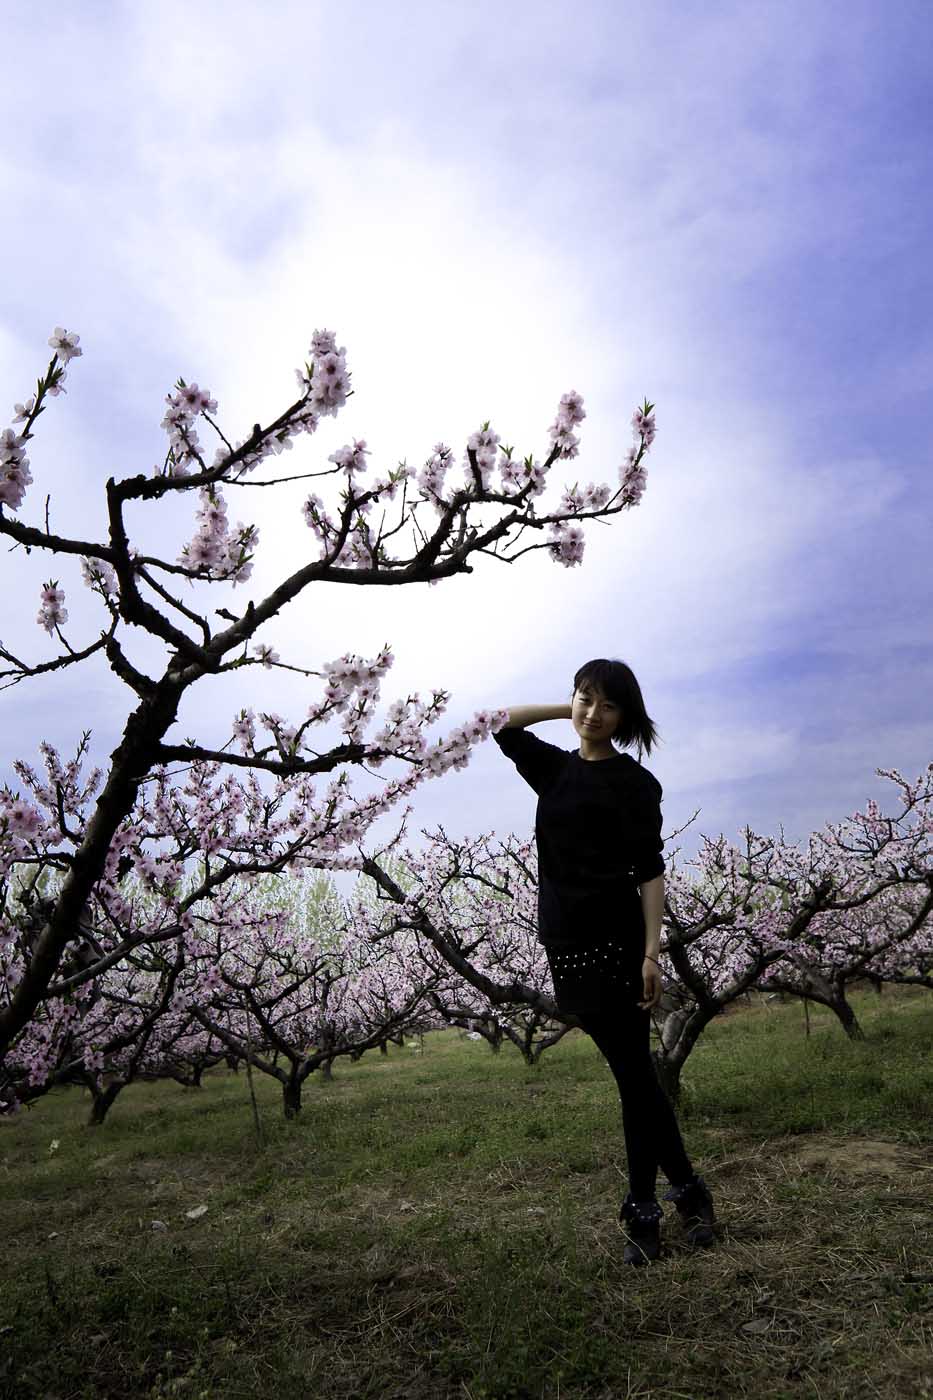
{"type": "Point", "coordinates": [723, 207]}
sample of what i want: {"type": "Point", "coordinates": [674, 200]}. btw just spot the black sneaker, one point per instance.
{"type": "Point", "coordinates": [695, 1207]}
{"type": "Point", "coordinates": [641, 1221]}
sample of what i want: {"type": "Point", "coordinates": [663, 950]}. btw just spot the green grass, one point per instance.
{"type": "Point", "coordinates": [761, 1068]}
{"type": "Point", "coordinates": [445, 1224]}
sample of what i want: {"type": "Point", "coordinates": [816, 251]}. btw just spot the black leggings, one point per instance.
{"type": "Point", "coordinates": [652, 1137]}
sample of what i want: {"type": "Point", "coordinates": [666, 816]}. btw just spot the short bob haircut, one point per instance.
{"type": "Point", "coordinates": [617, 682]}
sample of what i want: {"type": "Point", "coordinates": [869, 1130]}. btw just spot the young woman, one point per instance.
{"type": "Point", "coordinates": [600, 906]}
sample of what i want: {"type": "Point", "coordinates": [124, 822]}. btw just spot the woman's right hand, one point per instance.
{"type": "Point", "coordinates": [651, 982]}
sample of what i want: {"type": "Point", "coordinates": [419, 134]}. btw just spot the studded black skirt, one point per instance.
{"type": "Point", "coordinates": [602, 976]}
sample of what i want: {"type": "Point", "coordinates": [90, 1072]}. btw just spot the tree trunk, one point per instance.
{"type": "Point", "coordinates": [679, 1034]}
{"type": "Point", "coordinates": [131, 761]}
{"type": "Point", "coordinates": [291, 1095]}
{"type": "Point", "coordinates": [191, 1080]}
{"type": "Point", "coordinates": [847, 1017]}
{"type": "Point", "coordinates": [102, 1099]}
{"type": "Point", "coordinates": [668, 1072]}
{"type": "Point", "coordinates": [833, 995]}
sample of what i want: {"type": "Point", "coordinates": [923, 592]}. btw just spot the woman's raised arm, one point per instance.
{"type": "Point", "coordinates": [522, 715]}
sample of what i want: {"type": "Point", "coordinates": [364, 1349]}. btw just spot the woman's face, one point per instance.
{"type": "Point", "coordinates": [594, 717]}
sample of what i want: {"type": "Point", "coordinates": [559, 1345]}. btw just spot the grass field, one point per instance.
{"type": "Point", "coordinates": [445, 1224]}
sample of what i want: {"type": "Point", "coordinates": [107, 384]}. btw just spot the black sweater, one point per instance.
{"type": "Point", "coordinates": [598, 835]}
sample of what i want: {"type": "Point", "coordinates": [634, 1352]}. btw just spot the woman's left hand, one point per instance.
{"type": "Point", "coordinates": [651, 978]}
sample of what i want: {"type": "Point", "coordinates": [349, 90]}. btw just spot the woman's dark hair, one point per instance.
{"type": "Point", "coordinates": [617, 682]}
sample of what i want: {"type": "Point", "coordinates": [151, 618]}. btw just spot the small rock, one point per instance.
{"type": "Point", "coordinates": [196, 1213]}
{"type": "Point", "coordinates": [159, 1225]}
{"type": "Point", "coordinates": [53, 1235]}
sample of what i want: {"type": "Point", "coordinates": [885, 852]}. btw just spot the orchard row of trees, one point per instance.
{"type": "Point", "coordinates": [161, 913]}
{"type": "Point", "coordinates": [282, 974]}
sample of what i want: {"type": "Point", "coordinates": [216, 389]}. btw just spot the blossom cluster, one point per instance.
{"type": "Point", "coordinates": [328, 381]}
{"type": "Point", "coordinates": [52, 611]}
{"type": "Point", "coordinates": [515, 476]}
{"type": "Point", "coordinates": [567, 542]}
{"type": "Point", "coordinates": [15, 475]}
{"type": "Point", "coordinates": [325, 385]}
{"type": "Point", "coordinates": [485, 449]}
{"type": "Point", "coordinates": [216, 549]}
{"type": "Point", "coordinates": [23, 829]}
{"type": "Point", "coordinates": [99, 576]}
{"type": "Point", "coordinates": [351, 458]}
{"type": "Point", "coordinates": [569, 413]}
{"type": "Point", "coordinates": [400, 736]}
{"type": "Point", "coordinates": [431, 480]}
{"type": "Point", "coordinates": [482, 444]}
{"type": "Point", "coordinates": [20, 822]}
{"type": "Point", "coordinates": [184, 406]}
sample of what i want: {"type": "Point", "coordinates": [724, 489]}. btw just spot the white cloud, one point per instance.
{"type": "Point", "coordinates": [619, 202]}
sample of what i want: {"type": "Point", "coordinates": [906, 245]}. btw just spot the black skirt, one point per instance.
{"type": "Point", "coordinates": [602, 976]}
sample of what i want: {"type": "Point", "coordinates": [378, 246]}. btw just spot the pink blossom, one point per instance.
{"type": "Point", "coordinates": [644, 424]}
{"type": "Point", "coordinates": [65, 344]}
{"type": "Point", "coordinates": [11, 446]}
{"type": "Point", "coordinates": [351, 458]}
{"type": "Point", "coordinates": [330, 382]}
{"type": "Point", "coordinates": [99, 575]}
{"type": "Point", "coordinates": [571, 407]}
{"type": "Point", "coordinates": [567, 544]}
{"type": "Point", "coordinates": [238, 565]}
{"type": "Point", "coordinates": [22, 819]}
{"type": "Point", "coordinates": [15, 475]}
{"type": "Point", "coordinates": [52, 613]}
{"type": "Point", "coordinates": [563, 438]}
{"type": "Point", "coordinates": [632, 480]}
{"type": "Point", "coordinates": [194, 400]}
{"type": "Point", "coordinates": [482, 444]}
{"type": "Point", "coordinates": [244, 730]}
{"type": "Point", "coordinates": [323, 343]}
{"type": "Point", "coordinates": [214, 547]}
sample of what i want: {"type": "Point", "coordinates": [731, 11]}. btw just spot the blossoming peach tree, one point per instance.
{"type": "Point", "coordinates": [871, 897]}
{"type": "Point", "coordinates": [249, 807]}
{"type": "Point", "coordinates": [482, 966]}
{"type": "Point", "coordinates": [760, 915]}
